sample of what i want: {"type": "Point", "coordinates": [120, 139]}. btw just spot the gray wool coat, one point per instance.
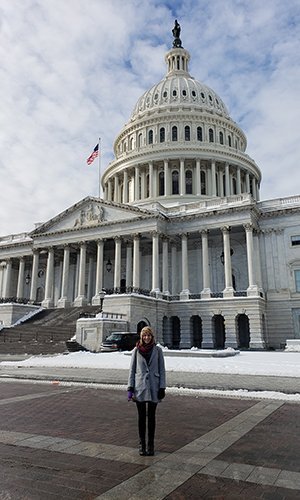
{"type": "Point", "coordinates": [147, 379]}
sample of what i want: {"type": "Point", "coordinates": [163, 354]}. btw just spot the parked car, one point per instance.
{"type": "Point", "coordinates": [119, 341]}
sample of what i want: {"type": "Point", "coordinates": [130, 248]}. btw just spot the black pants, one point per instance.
{"type": "Point", "coordinates": [146, 409]}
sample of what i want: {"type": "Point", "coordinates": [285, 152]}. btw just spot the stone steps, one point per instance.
{"type": "Point", "coordinates": [46, 333]}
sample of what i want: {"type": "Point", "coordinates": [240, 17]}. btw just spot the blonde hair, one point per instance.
{"type": "Point", "coordinates": [147, 329]}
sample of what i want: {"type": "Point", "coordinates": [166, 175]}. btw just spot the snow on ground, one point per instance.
{"type": "Point", "coordinates": [286, 364]}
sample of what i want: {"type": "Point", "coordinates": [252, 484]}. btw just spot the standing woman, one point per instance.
{"type": "Point", "coordinates": [146, 385]}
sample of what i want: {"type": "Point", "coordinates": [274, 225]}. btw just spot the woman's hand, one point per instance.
{"type": "Point", "coordinates": [130, 394]}
{"type": "Point", "coordinates": [161, 393]}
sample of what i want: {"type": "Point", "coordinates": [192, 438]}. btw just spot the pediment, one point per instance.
{"type": "Point", "coordinates": [89, 212]}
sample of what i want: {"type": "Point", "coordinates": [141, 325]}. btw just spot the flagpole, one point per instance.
{"type": "Point", "coordinates": [99, 166]}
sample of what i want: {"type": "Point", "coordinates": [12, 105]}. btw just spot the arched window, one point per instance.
{"type": "Point", "coordinates": [199, 134]}
{"type": "Point", "coordinates": [150, 137]}
{"type": "Point", "coordinates": [187, 133]}
{"type": "Point", "coordinates": [189, 182]}
{"type": "Point", "coordinates": [147, 186]}
{"type": "Point", "coordinates": [140, 140]}
{"type": "Point", "coordinates": [175, 182]}
{"type": "Point", "coordinates": [211, 135]}
{"type": "Point", "coordinates": [174, 133]}
{"type": "Point", "coordinates": [221, 138]}
{"type": "Point", "coordinates": [161, 182]}
{"type": "Point", "coordinates": [131, 143]}
{"type": "Point", "coordinates": [229, 141]}
{"type": "Point", "coordinates": [203, 182]}
{"type": "Point", "coordinates": [162, 134]}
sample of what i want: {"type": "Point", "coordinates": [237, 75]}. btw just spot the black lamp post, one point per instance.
{"type": "Point", "coordinates": [101, 295]}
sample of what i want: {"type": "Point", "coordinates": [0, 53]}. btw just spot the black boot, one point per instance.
{"type": "Point", "coordinates": [150, 450]}
{"type": "Point", "coordinates": [142, 449]}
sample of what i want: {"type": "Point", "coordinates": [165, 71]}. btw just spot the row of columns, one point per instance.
{"type": "Point", "coordinates": [133, 266]}
{"type": "Point", "coordinates": [117, 188]}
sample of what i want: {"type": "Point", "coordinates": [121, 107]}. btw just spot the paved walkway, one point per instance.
{"type": "Point", "coordinates": [81, 442]}
{"type": "Point", "coordinates": [287, 385]}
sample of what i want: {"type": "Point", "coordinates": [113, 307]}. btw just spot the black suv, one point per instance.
{"type": "Point", "coordinates": [119, 341]}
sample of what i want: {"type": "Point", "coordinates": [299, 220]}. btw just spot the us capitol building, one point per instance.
{"type": "Point", "coordinates": [180, 240]}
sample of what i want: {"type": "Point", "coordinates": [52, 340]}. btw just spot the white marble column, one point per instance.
{"type": "Point", "coordinates": [151, 190]}
{"type": "Point", "coordinates": [247, 182]}
{"type": "Point", "coordinates": [21, 274]}
{"type": "Point", "coordinates": [181, 179]}
{"type": "Point", "coordinates": [48, 301]}
{"type": "Point", "coordinates": [165, 266]}
{"type": "Point", "coordinates": [81, 298]}
{"type": "Point", "coordinates": [125, 186]}
{"type": "Point", "coordinates": [227, 180]}
{"type": "Point", "coordinates": [238, 180]}
{"type": "Point", "coordinates": [143, 185]}
{"type": "Point", "coordinates": [198, 178]}
{"type": "Point", "coordinates": [136, 262]}
{"type": "Point", "coordinates": [2, 277]}
{"type": "Point", "coordinates": [206, 292]}
{"type": "Point", "coordinates": [252, 286]}
{"type": "Point", "coordinates": [185, 292]}
{"type": "Point", "coordinates": [63, 300]}
{"type": "Point", "coordinates": [136, 183]}
{"type": "Point", "coordinates": [213, 178]}
{"type": "Point", "coordinates": [117, 273]}
{"type": "Point", "coordinates": [167, 178]}
{"type": "Point", "coordinates": [155, 263]}
{"type": "Point", "coordinates": [96, 300]}
{"type": "Point", "coordinates": [34, 276]}
{"type": "Point", "coordinates": [7, 283]}
{"type": "Point", "coordinates": [220, 182]}
{"type": "Point", "coordinates": [116, 189]}
{"type": "Point", "coordinates": [155, 182]}
{"type": "Point", "coordinates": [129, 264]}
{"type": "Point", "coordinates": [174, 268]}
{"type": "Point", "coordinates": [257, 260]}
{"type": "Point", "coordinates": [109, 190]}
{"type": "Point", "coordinates": [228, 290]}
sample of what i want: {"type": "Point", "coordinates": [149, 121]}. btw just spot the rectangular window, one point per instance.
{"type": "Point", "coordinates": [297, 280]}
{"type": "Point", "coordinates": [295, 240]}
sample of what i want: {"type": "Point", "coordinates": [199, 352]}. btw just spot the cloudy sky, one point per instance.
{"type": "Point", "coordinates": [72, 70]}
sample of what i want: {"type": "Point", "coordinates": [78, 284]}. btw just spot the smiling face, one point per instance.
{"type": "Point", "coordinates": [146, 335]}
{"type": "Point", "coordinates": [146, 338]}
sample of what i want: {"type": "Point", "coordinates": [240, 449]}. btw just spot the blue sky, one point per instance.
{"type": "Point", "coordinates": [71, 71]}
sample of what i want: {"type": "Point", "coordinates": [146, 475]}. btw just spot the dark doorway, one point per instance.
{"type": "Point", "coordinates": [243, 331]}
{"type": "Point", "coordinates": [175, 322]}
{"type": "Point", "coordinates": [123, 286]}
{"type": "Point", "coordinates": [219, 331]}
{"type": "Point", "coordinates": [197, 331]}
{"type": "Point", "coordinates": [140, 325]}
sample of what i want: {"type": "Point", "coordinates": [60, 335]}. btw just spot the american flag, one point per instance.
{"type": "Point", "coordinates": [94, 155]}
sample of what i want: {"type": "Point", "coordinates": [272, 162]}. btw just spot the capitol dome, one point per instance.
{"type": "Point", "coordinates": [179, 88]}
{"type": "Point", "coordinates": [179, 145]}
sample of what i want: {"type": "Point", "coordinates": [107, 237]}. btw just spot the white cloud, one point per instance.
{"type": "Point", "coordinates": [72, 71]}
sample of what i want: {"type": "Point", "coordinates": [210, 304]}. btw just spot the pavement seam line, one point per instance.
{"type": "Point", "coordinates": [149, 484]}
{"type": "Point", "coordinates": [28, 397]}
{"type": "Point", "coordinates": [252, 473]}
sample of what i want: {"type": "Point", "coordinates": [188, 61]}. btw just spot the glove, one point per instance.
{"type": "Point", "coordinates": [130, 394]}
{"type": "Point", "coordinates": [161, 393]}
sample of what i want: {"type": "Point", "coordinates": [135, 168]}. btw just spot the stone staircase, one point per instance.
{"type": "Point", "coordinates": [45, 333]}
